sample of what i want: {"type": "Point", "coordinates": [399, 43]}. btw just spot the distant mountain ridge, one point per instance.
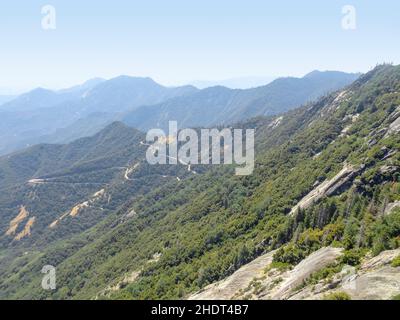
{"type": "Point", "coordinates": [220, 105]}
{"type": "Point", "coordinates": [43, 115]}
{"type": "Point", "coordinates": [235, 83]}
{"type": "Point", "coordinates": [326, 180]}
{"type": "Point", "coordinates": [36, 116]}
{"type": "Point", "coordinates": [6, 98]}
{"type": "Point", "coordinates": [44, 98]}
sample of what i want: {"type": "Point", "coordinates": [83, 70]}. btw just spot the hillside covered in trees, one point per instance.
{"type": "Point", "coordinates": [326, 175]}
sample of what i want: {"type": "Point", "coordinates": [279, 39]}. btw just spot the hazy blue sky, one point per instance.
{"type": "Point", "coordinates": [176, 41]}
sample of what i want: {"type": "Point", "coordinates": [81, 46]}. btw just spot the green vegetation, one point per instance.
{"type": "Point", "coordinates": [326, 274]}
{"type": "Point", "coordinates": [396, 262]}
{"type": "Point", "coordinates": [208, 225]}
{"type": "Point", "coordinates": [397, 297]}
{"type": "Point", "coordinates": [281, 266]}
{"type": "Point", "coordinates": [353, 257]}
{"type": "Point", "coordinates": [337, 296]}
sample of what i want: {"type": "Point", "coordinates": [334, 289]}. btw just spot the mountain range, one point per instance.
{"type": "Point", "coordinates": [234, 83]}
{"type": "Point", "coordinates": [6, 98]}
{"type": "Point", "coordinates": [323, 201]}
{"type": "Point", "coordinates": [31, 117]}
{"type": "Point", "coordinates": [220, 106]}
{"type": "Point", "coordinates": [65, 115]}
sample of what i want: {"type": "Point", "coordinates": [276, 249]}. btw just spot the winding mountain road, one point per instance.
{"type": "Point", "coordinates": [174, 158]}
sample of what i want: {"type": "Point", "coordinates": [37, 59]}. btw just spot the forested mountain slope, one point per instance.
{"type": "Point", "coordinates": [219, 105]}
{"type": "Point", "coordinates": [45, 116]}
{"type": "Point", "coordinates": [94, 174]}
{"type": "Point", "coordinates": [326, 175]}
{"type": "Point", "coordinates": [36, 116]}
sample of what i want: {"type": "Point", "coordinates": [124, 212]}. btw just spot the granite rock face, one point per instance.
{"type": "Point", "coordinates": [375, 279]}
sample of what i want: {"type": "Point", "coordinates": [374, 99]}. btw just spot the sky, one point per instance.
{"type": "Point", "coordinates": [179, 41]}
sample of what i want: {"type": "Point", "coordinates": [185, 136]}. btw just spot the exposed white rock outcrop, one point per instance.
{"type": "Point", "coordinates": [275, 123]}
{"type": "Point", "coordinates": [374, 279]}
{"type": "Point", "coordinates": [316, 261]}
{"type": "Point", "coordinates": [269, 284]}
{"type": "Point", "coordinates": [394, 127]}
{"type": "Point", "coordinates": [342, 96]}
{"type": "Point", "coordinates": [390, 207]}
{"type": "Point", "coordinates": [239, 280]}
{"type": "Point", "coordinates": [328, 187]}
{"type": "Point", "coordinates": [353, 119]}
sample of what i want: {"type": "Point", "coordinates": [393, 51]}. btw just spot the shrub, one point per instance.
{"type": "Point", "coordinates": [325, 273]}
{"type": "Point", "coordinates": [337, 296]}
{"type": "Point", "coordinates": [353, 257]}
{"type": "Point", "coordinates": [397, 297]}
{"type": "Point", "coordinates": [396, 262]}
{"type": "Point", "coordinates": [281, 266]}
{"type": "Point", "coordinates": [291, 254]}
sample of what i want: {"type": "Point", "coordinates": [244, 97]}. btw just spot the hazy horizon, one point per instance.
{"type": "Point", "coordinates": [244, 82]}
{"type": "Point", "coordinates": [177, 42]}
